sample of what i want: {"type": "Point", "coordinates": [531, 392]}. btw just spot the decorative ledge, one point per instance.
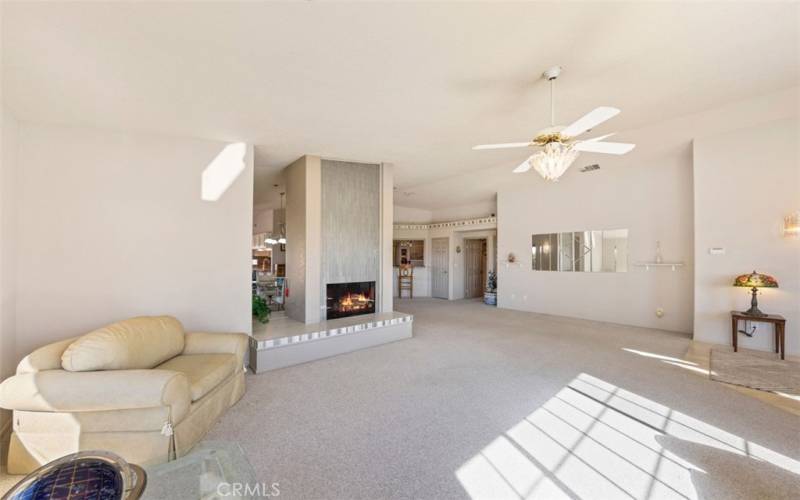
{"type": "Point", "coordinates": [648, 265]}
{"type": "Point", "coordinates": [455, 223]}
{"type": "Point", "coordinates": [333, 328]}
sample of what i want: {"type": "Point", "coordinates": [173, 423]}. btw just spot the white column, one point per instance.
{"type": "Point", "coordinates": [313, 239]}
{"type": "Point", "coordinates": [386, 278]}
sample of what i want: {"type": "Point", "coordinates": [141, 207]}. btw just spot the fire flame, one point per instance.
{"type": "Point", "coordinates": [354, 302]}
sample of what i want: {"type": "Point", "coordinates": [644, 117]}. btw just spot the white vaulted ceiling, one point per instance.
{"type": "Point", "coordinates": [415, 85]}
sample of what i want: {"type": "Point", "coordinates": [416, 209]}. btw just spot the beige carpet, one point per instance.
{"type": "Point", "coordinates": [756, 370]}
{"type": "Point", "coordinates": [492, 403]}
{"type": "Point", "coordinates": [489, 403]}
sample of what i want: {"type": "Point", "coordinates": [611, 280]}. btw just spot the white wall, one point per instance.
{"type": "Point", "coordinates": [385, 294]}
{"type": "Point", "coordinates": [8, 239]}
{"type": "Point", "coordinates": [412, 215]}
{"type": "Point", "coordinates": [263, 220]}
{"type": "Point", "coordinates": [649, 192]}
{"type": "Point", "coordinates": [745, 182]}
{"type": "Point", "coordinates": [471, 211]}
{"type": "Point", "coordinates": [652, 200]}
{"type": "Point", "coordinates": [111, 225]}
{"type": "Point", "coordinates": [296, 255]}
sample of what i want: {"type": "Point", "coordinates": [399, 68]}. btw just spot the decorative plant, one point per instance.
{"type": "Point", "coordinates": [261, 309]}
{"type": "Point", "coordinates": [491, 284]}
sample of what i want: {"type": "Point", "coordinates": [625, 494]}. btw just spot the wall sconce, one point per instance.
{"type": "Point", "coordinates": [791, 225]}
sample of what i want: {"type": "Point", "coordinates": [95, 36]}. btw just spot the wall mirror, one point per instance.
{"type": "Point", "coordinates": [593, 251]}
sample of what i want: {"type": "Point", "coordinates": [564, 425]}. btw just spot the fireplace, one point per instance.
{"type": "Point", "coordinates": [350, 299]}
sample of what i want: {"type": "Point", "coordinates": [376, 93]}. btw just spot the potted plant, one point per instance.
{"type": "Point", "coordinates": [261, 309]}
{"type": "Point", "coordinates": [490, 295]}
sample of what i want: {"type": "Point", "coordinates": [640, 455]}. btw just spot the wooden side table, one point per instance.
{"type": "Point", "coordinates": [775, 319]}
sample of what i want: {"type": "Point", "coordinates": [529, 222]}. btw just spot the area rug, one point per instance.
{"type": "Point", "coordinates": [756, 370]}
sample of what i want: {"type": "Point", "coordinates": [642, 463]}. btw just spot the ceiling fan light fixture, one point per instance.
{"type": "Point", "coordinates": [560, 145]}
{"type": "Point", "coordinates": [553, 160]}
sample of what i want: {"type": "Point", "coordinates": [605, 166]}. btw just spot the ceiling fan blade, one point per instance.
{"type": "Point", "coordinates": [523, 167]}
{"type": "Point", "coordinates": [590, 120]}
{"type": "Point", "coordinates": [503, 146]}
{"type": "Point", "coordinates": [612, 148]}
{"type": "Point", "coordinates": [599, 138]}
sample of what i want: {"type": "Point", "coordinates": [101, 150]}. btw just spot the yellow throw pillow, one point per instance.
{"type": "Point", "coordinates": [136, 343]}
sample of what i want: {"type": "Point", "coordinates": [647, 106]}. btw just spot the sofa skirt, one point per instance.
{"type": "Point", "coordinates": [137, 435]}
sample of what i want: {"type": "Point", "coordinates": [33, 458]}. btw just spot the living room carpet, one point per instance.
{"type": "Point", "coordinates": [493, 403]}
{"type": "Point", "coordinates": [756, 370]}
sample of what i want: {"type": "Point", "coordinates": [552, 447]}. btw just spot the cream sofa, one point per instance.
{"type": "Point", "coordinates": [142, 388]}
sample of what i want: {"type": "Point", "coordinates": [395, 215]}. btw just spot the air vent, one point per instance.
{"type": "Point", "coordinates": [589, 168]}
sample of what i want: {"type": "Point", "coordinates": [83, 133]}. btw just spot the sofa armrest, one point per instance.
{"type": "Point", "coordinates": [63, 391]}
{"type": "Point", "coordinates": [217, 343]}
{"type": "Point", "coordinates": [45, 358]}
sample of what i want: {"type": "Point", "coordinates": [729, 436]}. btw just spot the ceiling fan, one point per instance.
{"type": "Point", "coordinates": [558, 144]}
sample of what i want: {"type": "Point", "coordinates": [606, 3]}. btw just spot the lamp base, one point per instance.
{"type": "Point", "coordinates": [754, 310]}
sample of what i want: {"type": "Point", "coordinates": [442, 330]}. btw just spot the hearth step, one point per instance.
{"type": "Point", "coordinates": [286, 342]}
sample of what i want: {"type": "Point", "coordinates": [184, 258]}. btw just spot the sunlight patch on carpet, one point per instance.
{"type": "Point", "coordinates": [596, 440]}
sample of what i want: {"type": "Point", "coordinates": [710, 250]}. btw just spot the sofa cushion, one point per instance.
{"type": "Point", "coordinates": [204, 371]}
{"type": "Point", "coordinates": [132, 344]}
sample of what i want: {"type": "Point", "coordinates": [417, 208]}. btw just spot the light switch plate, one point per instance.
{"type": "Point", "coordinates": [716, 251]}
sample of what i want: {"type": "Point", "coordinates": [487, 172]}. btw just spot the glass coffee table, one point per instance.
{"type": "Point", "coordinates": [213, 469]}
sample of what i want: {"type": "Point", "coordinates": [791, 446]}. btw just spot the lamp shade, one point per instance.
{"type": "Point", "coordinates": [756, 280]}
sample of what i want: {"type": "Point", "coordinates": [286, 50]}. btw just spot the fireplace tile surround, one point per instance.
{"type": "Point", "coordinates": [339, 214]}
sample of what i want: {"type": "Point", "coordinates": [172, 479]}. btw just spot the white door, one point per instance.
{"type": "Point", "coordinates": [440, 263]}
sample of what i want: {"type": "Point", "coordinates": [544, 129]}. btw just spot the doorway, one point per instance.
{"type": "Point", "coordinates": [474, 267]}
{"type": "Point", "coordinates": [440, 258]}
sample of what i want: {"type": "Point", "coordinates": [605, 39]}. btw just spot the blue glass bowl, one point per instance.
{"type": "Point", "coordinates": [86, 475]}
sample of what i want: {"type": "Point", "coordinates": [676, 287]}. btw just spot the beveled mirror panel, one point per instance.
{"type": "Point", "coordinates": [591, 251]}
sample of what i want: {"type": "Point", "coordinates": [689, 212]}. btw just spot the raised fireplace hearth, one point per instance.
{"type": "Point", "coordinates": [350, 299]}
